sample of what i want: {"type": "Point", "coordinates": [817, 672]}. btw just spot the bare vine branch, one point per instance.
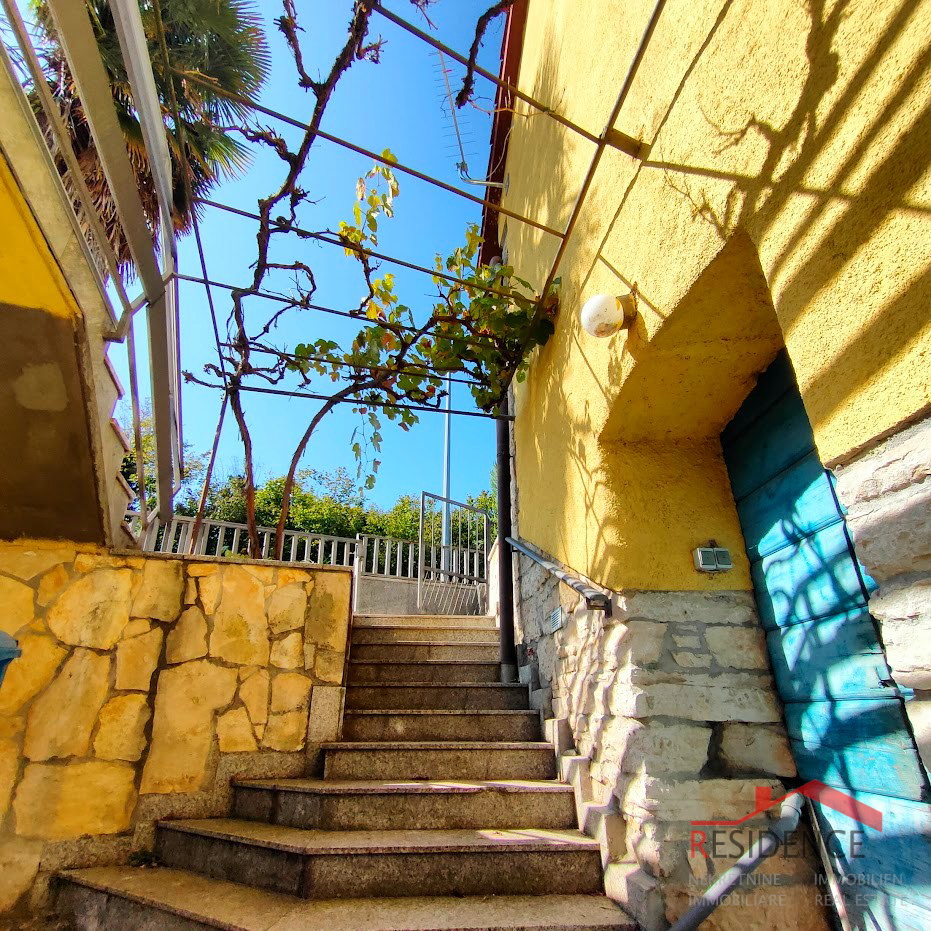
{"type": "Point", "coordinates": [468, 82]}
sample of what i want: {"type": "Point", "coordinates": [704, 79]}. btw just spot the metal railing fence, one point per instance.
{"type": "Point", "coordinates": [457, 557]}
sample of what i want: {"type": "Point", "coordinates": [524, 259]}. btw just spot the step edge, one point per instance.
{"type": "Point", "coordinates": [545, 788]}
{"type": "Point", "coordinates": [441, 711]}
{"type": "Point", "coordinates": [160, 904]}
{"type": "Point", "coordinates": [353, 745]}
{"type": "Point", "coordinates": [579, 843]}
{"type": "Point", "coordinates": [420, 684]}
{"type": "Point", "coordinates": [139, 898]}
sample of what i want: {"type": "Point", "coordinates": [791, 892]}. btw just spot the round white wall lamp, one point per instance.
{"type": "Point", "coordinates": [604, 314]}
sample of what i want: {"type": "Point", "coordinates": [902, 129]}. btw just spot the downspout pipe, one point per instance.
{"type": "Point", "coordinates": [765, 847]}
{"type": "Point", "coordinates": [508, 653]}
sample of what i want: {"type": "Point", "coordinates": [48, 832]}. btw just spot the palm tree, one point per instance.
{"type": "Point", "coordinates": [221, 41]}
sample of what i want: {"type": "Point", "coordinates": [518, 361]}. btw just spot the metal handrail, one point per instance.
{"type": "Point", "coordinates": [594, 599]}
{"type": "Point", "coordinates": [765, 847]}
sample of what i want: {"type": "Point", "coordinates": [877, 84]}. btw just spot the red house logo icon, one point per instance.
{"type": "Point", "coordinates": [817, 792]}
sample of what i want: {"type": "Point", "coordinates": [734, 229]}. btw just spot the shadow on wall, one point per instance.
{"type": "Point", "coordinates": [860, 207]}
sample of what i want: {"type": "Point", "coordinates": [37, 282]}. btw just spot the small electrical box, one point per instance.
{"type": "Point", "coordinates": [712, 559]}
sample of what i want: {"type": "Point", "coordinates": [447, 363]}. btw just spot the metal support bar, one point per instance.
{"type": "Point", "coordinates": [603, 142]}
{"type": "Point", "coordinates": [333, 241]}
{"type": "Point", "coordinates": [411, 368]}
{"type": "Point", "coordinates": [268, 295]}
{"type": "Point", "coordinates": [307, 395]}
{"type": "Point", "coordinates": [394, 164]}
{"type": "Point", "coordinates": [508, 651]}
{"type": "Point", "coordinates": [625, 140]}
{"type": "Point", "coordinates": [77, 38]}
{"type": "Point", "coordinates": [595, 600]}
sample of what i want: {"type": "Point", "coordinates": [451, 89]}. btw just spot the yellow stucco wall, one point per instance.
{"type": "Point", "coordinates": [29, 274]}
{"type": "Point", "coordinates": [786, 198]}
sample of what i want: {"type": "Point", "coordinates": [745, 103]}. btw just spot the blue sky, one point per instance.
{"type": "Point", "coordinates": [397, 104]}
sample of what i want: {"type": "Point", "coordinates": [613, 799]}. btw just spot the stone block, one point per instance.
{"type": "Point", "coordinates": [137, 626]}
{"type": "Point", "coordinates": [288, 653]}
{"type": "Point", "coordinates": [634, 641]}
{"type": "Point", "coordinates": [159, 595]}
{"type": "Point", "coordinates": [209, 587]}
{"type": "Point", "coordinates": [60, 721]}
{"type": "Point", "coordinates": [190, 591]}
{"type": "Point", "coordinates": [254, 694]}
{"type": "Point", "coordinates": [756, 749]}
{"type": "Point", "coordinates": [903, 609]}
{"type": "Point", "coordinates": [182, 732]}
{"type": "Point", "coordinates": [63, 802]}
{"type": "Point", "coordinates": [240, 626]}
{"type": "Point", "coordinates": [918, 710]}
{"type": "Point", "coordinates": [197, 570]}
{"type": "Point", "coordinates": [288, 576]}
{"type": "Point", "coordinates": [19, 864]}
{"type": "Point", "coordinates": [688, 641]}
{"type": "Point", "coordinates": [187, 640]}
{"type": "Point", "coordinates": [326, 713]}
{"type": "Point", "coordinates": [26, 563]}
{"type": "Point", "coordinates": [235, 732]}
{"type": "Point", "coordinates": [694, 696]}
{"type": "Point", "coordinates": [121, 734]}
{"type": "Point", "coordinates": [651, 797]}
{"type": "Point", "coordinates": [30, 673]}
{"type": "Point", "coordinates": [136, 660]}
{"type": "Point", "coordinates": [637, 893]}
{"type": "Point", "coordinates": [692, 660]}
{"type": "Point", "coordinates": [93, 610]}
{"type": "Point", "coordinates": [290, 692]}
{"type": "Point", "coordinates": [286, 731]}
{"type": "Point", "coordinates": [732, 608]}
{"type": "Point", "coordinates": [9, 767]}
{"type": "Point", "coordinates": [328, 611]}
{"type": "Point", "coordinates": [738, 648]}
{"type": "Point", "coordinates": [287, 608]}
{"type": "Point", "coordinates": [328, 666]}
{"type": "Point", "coordinates": [51, 584]}
{"type": "Point", "coordinates": [654, 746]}
{"type": "Point", "coordinates": [16, 606]}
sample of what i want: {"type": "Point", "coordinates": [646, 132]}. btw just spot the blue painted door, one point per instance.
{"type": "Point", "coordinates": [844, 715]}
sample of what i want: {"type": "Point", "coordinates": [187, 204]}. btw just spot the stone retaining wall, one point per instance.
{"type": "Point", "coordinates": [671, 701]}
{"type": "Point", "coordinates": [887, 491]}
{"type": "Point", "coordinates": [145, 685]}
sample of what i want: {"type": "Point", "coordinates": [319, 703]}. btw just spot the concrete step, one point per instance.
{"type": "Point", "coordinates": [438, 760]}
{"type": "Point", "coordinates": [426, 651]}
{"type": "Point", "coordinates": [349, 864]}
{"type": "Point", "coordinates": [381, 805]}
{"type": "Point", "coordinates": [430, 695]}
{"type": "Point", "coordinates": [424, 620]}
{"type": "Point", "coordinates": [163, 899]}
{"type": "Point", "coordinates": [361, 671]}
{"type": "Point", "coordinates": [441, 725]}
{"type": "Point", "coordinates": [385, 634]}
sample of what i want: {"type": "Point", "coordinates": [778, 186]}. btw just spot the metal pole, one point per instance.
{"type": "Point", "coordinates": [508, 654]}
{"type": "Point", "coordinates": [392, 163]}
{"type": "Point", "coordinates": [307, 395]}
{"type": "Point", "coordinates": [447, 527]}
{"type": "Point", "coordinates": [360, 250]}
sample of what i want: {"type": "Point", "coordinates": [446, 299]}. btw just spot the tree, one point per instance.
{"type": "Point", "coordinates": [220, 40]}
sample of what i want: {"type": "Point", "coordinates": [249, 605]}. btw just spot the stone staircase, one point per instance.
{"type": "Point", "coordinates": [439, 809]}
